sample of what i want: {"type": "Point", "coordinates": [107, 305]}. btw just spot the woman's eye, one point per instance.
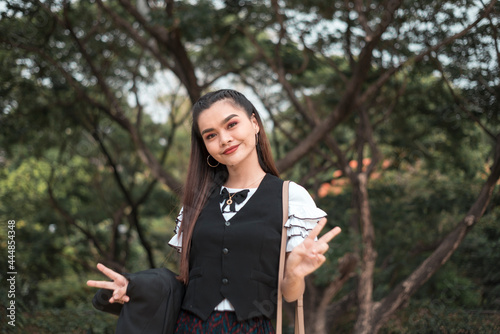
{"type": "Point", "coordinates": [210, 136]}
{"type": "Point", "coordinates": [232, 124]}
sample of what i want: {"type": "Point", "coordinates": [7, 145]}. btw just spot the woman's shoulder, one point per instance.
{"type": "Point", "coordinates": [299, 193]}
{"type": "Point", "coordinates": [301, 204]}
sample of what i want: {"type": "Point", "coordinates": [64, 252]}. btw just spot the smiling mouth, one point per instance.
{"type": "Point", "coordinates": [231, 149]}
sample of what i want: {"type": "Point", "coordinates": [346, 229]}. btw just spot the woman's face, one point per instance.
{"type": "Point", "coordinates": [228, 134]}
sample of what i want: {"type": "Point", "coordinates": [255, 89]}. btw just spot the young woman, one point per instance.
{"type": "Point", "coordinates": [229, 229]}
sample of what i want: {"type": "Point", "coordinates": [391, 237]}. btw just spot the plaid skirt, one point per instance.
{"type": "Point", "coordinates": [223, 323]}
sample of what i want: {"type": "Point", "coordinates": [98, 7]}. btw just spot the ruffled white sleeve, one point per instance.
{"type": "Point", "coordinates": [303, 215]}
{"type": "Point", "coordinates": [176, 240]}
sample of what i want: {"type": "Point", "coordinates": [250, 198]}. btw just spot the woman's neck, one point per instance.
{"type": "Point", "coordinates": [243, 180]}
{"type": "Point", "coordinates": [246, 174]}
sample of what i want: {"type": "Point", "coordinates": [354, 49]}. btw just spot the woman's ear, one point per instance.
{"type": "Point", "coordinates": [255, 123]}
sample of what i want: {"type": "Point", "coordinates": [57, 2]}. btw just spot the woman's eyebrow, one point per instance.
{"type": "Point", "coordinates": [224, 121]}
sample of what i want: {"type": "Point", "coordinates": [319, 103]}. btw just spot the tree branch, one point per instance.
{"type": "Point", "coordinates": [347, 267]}
{"type": "Point", "coordinates": [132, 33]}
{"type": "Point", "coordinates": [403, 291]}
{"type": "Point", "coordinates": [128, 197]}
{"type": "Point", "coordinates": [458, 100]}
{"type": "Point", "coordinates": [350, 99]}
{"type": "Point", "coordinates": [68, 218]}
{"type": "Point", "coordinates": [370, 91]}
{"type": "Point", "coordinates": [171, 38]}
{"type": "Point", "coordinates": [358, 6]}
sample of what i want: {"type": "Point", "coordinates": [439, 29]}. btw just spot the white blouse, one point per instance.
{"type": "Point", "coordinates": [303, 215]}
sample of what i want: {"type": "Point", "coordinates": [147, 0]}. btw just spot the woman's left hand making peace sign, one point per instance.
{"type": "Point", "coordinates": [309, 255]}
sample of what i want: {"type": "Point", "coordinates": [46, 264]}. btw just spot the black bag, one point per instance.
{"type": "Point", "coordinates": [155, 302]}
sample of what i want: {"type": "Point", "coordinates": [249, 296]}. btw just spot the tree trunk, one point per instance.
{"type": "Point", "coordinates": [369, 255]}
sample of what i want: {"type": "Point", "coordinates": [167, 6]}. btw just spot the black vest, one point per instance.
{"type": "Point", "coordinates": [237, 259]}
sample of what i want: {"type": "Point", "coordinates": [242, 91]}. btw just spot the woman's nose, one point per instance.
{"type": "Point", "coordinates": [225, 137]}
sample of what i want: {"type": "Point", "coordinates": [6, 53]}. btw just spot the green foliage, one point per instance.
{"type": "Point", "coordinates": [70, 169]}
{"type": "Point", "coordinates": [479, 255]}
{"type": "Point", "coordinates": [413, 206]}
{"type": "Point", "coordinates": [425, 317]}
{"type": "Point", "coordinates": [71, 320]}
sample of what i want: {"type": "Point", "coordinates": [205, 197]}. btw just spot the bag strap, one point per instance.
{"type": "Point", "coordinates": [299, 316]}
{"type": "Point", "coordinates": [299, 307]}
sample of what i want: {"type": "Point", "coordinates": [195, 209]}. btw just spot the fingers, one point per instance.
{"type": "Point", "coordinates": [315, 261]}
{"type": "Point", "coordinates": [119, 292]}
{"type": "Point", "coordinates": [317, 251]}
{"type": "Point", "coordinates": [320, 248]}
{"type": "Point", "coordinates": [102, 284]}
{"type": "Point", "coordinates": [119, 284]}
{"type": "Point", "coordinates": [119, 295]}
{"type": "Point", "coordinates": [321, 259]}
{"type": "Point", "coordinates": [317, 229]}
{"type": "Point", "coordinates": [327, 237]}
{"type": "Point", "coordinates": [106, 284]}
{"type": "Point", "coordinates": [108, 272]}
{"type": "Point", "coordinates": [119, 298]}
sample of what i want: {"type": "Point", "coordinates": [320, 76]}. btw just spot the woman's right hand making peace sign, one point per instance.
{"type": "Point", "coordinates": [119, 284]}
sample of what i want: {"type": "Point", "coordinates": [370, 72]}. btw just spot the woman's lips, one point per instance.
{"type": "Point", "coordinates": [231, 149]}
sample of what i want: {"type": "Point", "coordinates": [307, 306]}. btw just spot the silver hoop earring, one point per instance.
{"type": "Point", "coordinates": [208, 162]}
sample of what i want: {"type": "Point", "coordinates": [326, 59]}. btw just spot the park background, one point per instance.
{"type": "Point", "coordinates": [386, 111]}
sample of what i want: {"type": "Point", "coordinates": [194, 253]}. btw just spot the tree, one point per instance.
{"type": "Point", "coordinates": [336, 79]}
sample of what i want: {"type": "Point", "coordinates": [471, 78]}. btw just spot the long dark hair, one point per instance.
{"type": "Point", "coordinates": [203, 179]}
